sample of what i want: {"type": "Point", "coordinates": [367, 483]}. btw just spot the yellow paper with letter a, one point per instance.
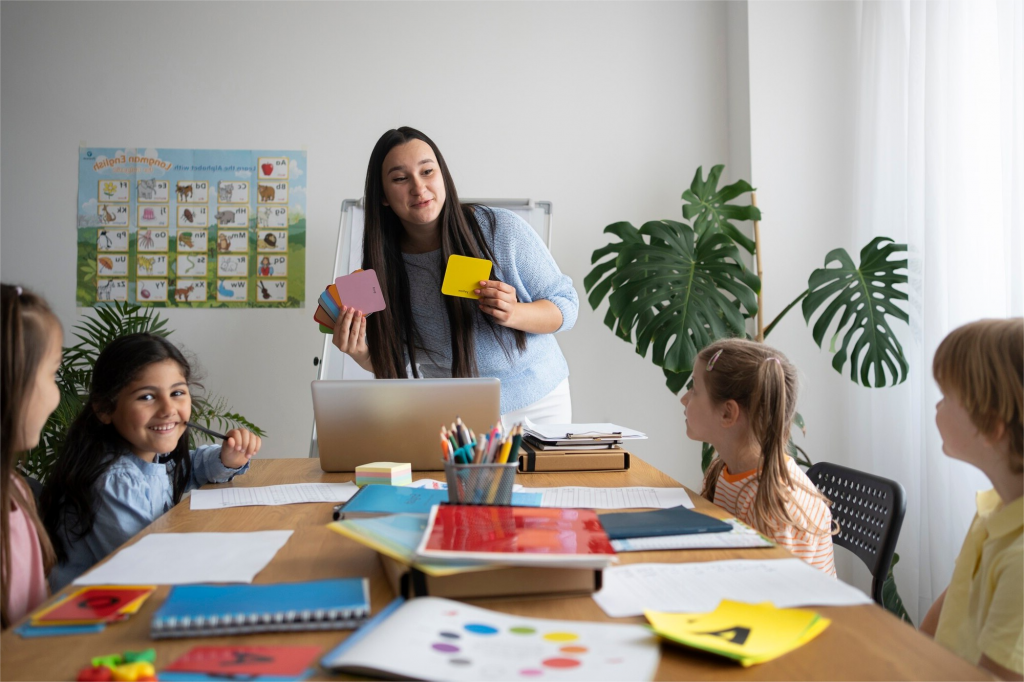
{"type": "Point", "coordinates": [747, 633]}
{"type": "Point", "coordinates": [464, 275]}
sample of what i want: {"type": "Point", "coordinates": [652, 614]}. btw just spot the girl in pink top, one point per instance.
{"type": "Point", "coordinates": [741, 400]}
{"type": "Point", "coordinates": [30, 355]}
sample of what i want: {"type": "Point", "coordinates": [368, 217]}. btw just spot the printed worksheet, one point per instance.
{"type": "Point", "coordinates": [191, 228]}
{"type": "Point", "coordinates": [638, 497]}
{"type": "Point", "coordinates": [272, 495]}
{"type": "Point", "coordinates": [699, 587]}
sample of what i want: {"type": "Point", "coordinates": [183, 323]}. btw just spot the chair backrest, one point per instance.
{"type": "Point", "coordinates": [869, 510]}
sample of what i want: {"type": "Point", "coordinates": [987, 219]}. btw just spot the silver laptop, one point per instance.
{"type": "Point", "coordinates": [397, 420]}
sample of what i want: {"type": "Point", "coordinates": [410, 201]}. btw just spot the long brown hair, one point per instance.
{"type": "Point", "coordinates": [392, 331]}
{"type": "Point", "coordinates": [764, 384]}
{"type": "Point", "coordinates": [982, 363]}
{"type": "Point", "coordinates": [29, 327]}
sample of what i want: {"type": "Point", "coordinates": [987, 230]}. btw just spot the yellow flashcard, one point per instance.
{"type": "Point", "coordinates": [464, 275]}
{"type": "Point", "coordinates": [747, 633]}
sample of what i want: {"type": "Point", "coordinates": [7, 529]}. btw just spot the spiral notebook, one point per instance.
{"type": "Point", "coordinates": [208, 610]}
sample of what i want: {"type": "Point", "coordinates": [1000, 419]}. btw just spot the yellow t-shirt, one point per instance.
{"type": "Point", "coordinates": [983, 612]}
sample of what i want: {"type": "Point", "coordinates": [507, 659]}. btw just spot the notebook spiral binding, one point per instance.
{"type": "Point", "coordinates": [243, 623]}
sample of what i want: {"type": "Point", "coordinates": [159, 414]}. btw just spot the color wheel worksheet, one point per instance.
{"type": "Point", "coordinates": [441, 639]}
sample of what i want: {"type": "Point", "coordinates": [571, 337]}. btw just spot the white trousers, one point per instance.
{"type": "Point", "coordinates": [554, 408]}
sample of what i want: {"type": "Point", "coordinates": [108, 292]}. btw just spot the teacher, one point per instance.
{"type": "Point", "coordinates": [413, 222]}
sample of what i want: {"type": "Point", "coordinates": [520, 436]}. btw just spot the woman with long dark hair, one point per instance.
{"type": "Point", "coordinates": [413, 222]}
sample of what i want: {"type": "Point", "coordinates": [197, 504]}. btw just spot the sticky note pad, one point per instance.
{"type": "Point", "coordinates": [361, 290]}
{"type": "Point", "coordinates": [463, 276]}
{"type": "Point", "coordinates": [387, 473]}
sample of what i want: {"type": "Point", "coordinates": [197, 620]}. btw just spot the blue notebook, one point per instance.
{"type": "Point", "coordinates": [392, 499]}
{"type": "Point", "coordinates": [650, 524]}
{"type": "Point", "coordinates": [208, 610]}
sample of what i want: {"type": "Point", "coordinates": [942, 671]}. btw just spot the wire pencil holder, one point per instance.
{"type": "Point", "coordinates": [489, 484]}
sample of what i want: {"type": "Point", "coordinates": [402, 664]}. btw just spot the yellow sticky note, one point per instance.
{"type": "Point", "coordinates": [464, 275]}
{"type": "Point", "coordinates": [747, 633]}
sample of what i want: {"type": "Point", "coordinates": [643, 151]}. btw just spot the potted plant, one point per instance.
{"type": "Point", "coordinates": [75, 376]}
{"type": "Point", "coordinates": [674, 287]}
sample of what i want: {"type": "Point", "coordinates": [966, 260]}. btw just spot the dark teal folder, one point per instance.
{"type": "Point", "coordinates": [650, 524]}
{"type": "Point", "coordinates": [206, 610]}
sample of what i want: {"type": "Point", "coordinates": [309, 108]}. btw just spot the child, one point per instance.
{"type": "Point", "coordinates": [126, 460]}
{"type": "Point", "coordinates": [980, 370]}
{"type": "Point", "coordinates": [742, 399]}
{"type": "Point", "coordinates": [31, 354]}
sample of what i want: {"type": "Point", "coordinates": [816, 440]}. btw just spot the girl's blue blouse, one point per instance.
{"type": "Point", "coordinates": [130, 495]}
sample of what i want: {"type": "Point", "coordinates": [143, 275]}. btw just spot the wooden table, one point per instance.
{"type": "Point", "coordinates": [863, 642]}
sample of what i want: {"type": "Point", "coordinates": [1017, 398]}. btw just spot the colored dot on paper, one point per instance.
{"type": "Point", "coordinates": [459, 661]}
{"type": "Point", "coordinates": [573, 649]}
{"type": "Point", "coordinates": [479, 629]}
{"type": "Point", "coordinates": [451, 613]}
{"type": "Point", "coordinates": [522, 630]}
{"type": "Point", "coordinates": [614, 661]}
{"type": "Point", "coordinates": [561, 637]}
{"type": "Point", "coordinates": [451, 635]}
{"type": "Point", "coordinates": [561, 662]}
{"type": "Point", "coordinates": [531, 672]}
{"type": "Point", "coordinates": [446, 648]}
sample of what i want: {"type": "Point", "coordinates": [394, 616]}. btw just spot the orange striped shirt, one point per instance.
{"type": "Point", "coordinates": [735, 493]}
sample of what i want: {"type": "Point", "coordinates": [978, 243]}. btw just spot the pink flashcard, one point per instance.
{"type": "Point", "coordinates": [361, 290]}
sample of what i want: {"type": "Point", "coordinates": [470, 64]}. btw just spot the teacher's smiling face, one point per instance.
{"type": "Point", "coordinates": [413, 186]}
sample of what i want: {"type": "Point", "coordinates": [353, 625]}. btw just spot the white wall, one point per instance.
{"type": "Point", "coordinates": [803, 94]}
{"type": "Point", "coordinates": [605, 109]}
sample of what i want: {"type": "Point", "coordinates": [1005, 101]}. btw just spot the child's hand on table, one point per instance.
{"type": "Point", "coordinates": [239, 447]}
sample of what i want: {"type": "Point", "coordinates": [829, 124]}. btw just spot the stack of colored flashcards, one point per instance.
{"type": "Point", "coordinates": [387, 473]}
{"type": "Point", "coordinates": [88, 609]}
{"type": "Point", "coordinates": [359, 290]}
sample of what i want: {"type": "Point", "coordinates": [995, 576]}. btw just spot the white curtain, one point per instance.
{"type": "Point", "coordinates": [940, 153]}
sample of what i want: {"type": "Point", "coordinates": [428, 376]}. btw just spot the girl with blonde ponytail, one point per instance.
{"type": "Point", "coordinates": [741, 400]}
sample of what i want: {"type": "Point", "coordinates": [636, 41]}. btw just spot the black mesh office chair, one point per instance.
{"type": "Point", "coordinates": [869, 510]}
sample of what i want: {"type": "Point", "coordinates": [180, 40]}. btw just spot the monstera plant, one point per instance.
{"type": "Point", "coordinates": [674, 287]}
{"type": "Point", "coordinates": [75, 375]}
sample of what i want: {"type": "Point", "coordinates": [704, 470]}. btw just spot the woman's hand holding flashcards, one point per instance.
{"type": "Point", "coordinates": [350, 335]}
{"type": "Point", "coordinates": [239, 447]}
{"type": "Point", "coordinates": [498, 300]}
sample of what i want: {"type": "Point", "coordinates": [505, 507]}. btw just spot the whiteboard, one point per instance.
{"type": "Point", "coordinates": [348, 257]}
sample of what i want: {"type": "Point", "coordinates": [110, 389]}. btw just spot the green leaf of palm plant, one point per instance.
{"type": "Point", "coordinates": [710, 206]}
{"type": "Point", "coordinates": [866, 297]}
{"type": "Point", "coordinates": [673, 293]}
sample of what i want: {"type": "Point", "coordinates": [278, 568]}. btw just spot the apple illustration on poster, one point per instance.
{"type": "Point", "coordinates": [267, 168]}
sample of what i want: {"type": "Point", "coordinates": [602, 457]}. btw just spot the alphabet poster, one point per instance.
{"type": "Point", "coordinates": [192, 228]}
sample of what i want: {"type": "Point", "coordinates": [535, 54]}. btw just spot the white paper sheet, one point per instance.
{"type": "Point", "coordinates": [272, 495]}
{"type": "Point", "coordinates": [699, 587]}
{"type": "Point", "coordinates": [438, 639]}
{"type": "Point", "coordinates": [613, 498]}
{"type": "Point", "coordinates": [596, 430]}
{"type": "Point", "coordinates": [184, 558]}
{"type": "Point", "coordinates": [739, 536]}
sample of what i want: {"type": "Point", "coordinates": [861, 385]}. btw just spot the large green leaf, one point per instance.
{"type": "Point", "coordinates": [866, 297]}
{"type": "Point", "coordinates": [674, 293]}
{"type": "Point", "coordinates": [891, 597]}
{"type": "Point", "coordinates": [710, 206]}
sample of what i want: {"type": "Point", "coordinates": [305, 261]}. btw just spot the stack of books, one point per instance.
{"type": "Point", "coordinates": [575, 447]}
{"type": "Point", "coordinates": [464, 552]}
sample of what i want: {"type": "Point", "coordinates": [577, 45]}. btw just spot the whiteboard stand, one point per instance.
{"type": "Point", "coordinates": [348, 257]}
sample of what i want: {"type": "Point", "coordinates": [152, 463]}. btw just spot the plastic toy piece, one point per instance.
{"type": "Point", "coordinates": [111, 661]}
{"type": "Point", "coordinates": [132, 672]}
{"type": "Point", "coordinates": [99, 673]}
{"type": "Point", "coordinates": [145, 656]}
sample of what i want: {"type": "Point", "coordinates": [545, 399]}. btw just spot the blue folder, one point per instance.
{"type": "Point", "coordinates": [392, 499]}
{"type": "Point", "coordinates": [673, 521]}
